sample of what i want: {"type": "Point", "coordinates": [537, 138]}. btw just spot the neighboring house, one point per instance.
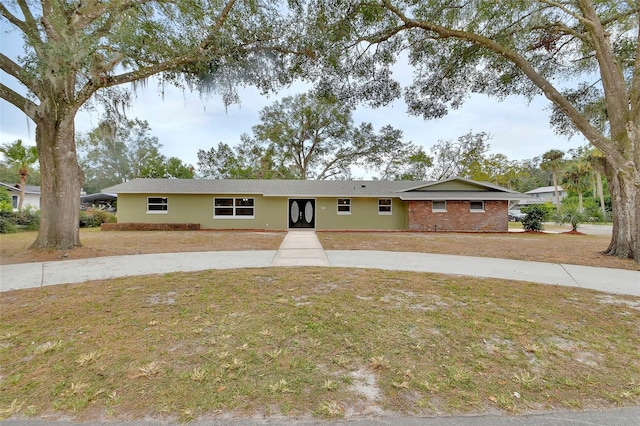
{"type": "Point", "coordinates": [455, 204]}
{"type": "Point", "coordinates": [31, 195]}
{"type": "Point", "coordinates": [547, 194]}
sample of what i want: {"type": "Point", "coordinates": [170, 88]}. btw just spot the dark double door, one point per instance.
{"type": "Point", "coordinates": [302, 213]}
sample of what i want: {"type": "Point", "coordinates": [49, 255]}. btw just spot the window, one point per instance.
{"type": "Point", "coordinates": [344, 205]}
{"type": "Point", "coordinates": [241, 208]}
{"type": "Point", "coordinates": [157, 205]}
{"type": "Point", "coordinates": [384, 205]}
{"type": "Point", "coordinates": [14, 201]}
{"type": "Point", "coordinates": [477, 206]}
{"type": "Point", "coordinates": [439, 206]}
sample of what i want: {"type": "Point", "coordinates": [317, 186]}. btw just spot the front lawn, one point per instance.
{"type": "Point", "coordinates": [313, 342]}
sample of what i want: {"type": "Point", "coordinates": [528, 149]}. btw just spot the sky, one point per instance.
{"type": "Point", "coordinates": [184, 122]}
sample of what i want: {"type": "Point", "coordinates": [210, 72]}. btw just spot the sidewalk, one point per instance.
{"type": "Point", "coordinates": [302, 248]}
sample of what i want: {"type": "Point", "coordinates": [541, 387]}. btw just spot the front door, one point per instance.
{"type": "Point", "coordinates": [302, 213]}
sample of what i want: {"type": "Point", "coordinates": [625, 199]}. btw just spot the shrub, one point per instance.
{"type": "Point", "coordinates": [7, 222]}
{"type": "Point", "coordinates": [574, 215]}
{"type": "Point", "coordinates": [536, 215]}
{"type": "Point", "coordinates": [28, 218]}
{"type": "Point", "coordinates": [131, 226]}
{"type": "Point", "coordinates": [92, 218]}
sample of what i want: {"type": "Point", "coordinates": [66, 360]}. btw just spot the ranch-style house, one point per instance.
{"type": "Point", "coordinates": [454, 204]}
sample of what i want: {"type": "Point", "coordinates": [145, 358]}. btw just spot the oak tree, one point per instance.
{"type": "Point", "coordinates": [583, 55]}
{"type": "Point", "coordinates": [75, 49]}
{"type": "Point", "coordinates": [310, 137]}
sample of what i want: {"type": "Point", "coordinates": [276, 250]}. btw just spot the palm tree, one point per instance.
{"type": "Point", "coordinates": [553, 160]}
{"type": "Point", "coordinates": [596, 159]}
{"type": "Point", "coordinates": [23, 157]}
{"type": "Point", "coordinates": [577, 179]}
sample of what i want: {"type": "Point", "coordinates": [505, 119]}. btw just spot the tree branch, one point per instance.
{"type": "Point", "coordinates": [219, 23]}
{"type": "Point", "coordinates": [23, 104]}
{"type": "Point", "coordinates": [12, 19]}
{"type": "Point", "coordinates": [567, 11]}
{"type": "Point", "coordinates": [590, 132]}
{"type": "Point", "coordinates": [28, 16]}
{"type": "Point", "coordinates": [15, 71]}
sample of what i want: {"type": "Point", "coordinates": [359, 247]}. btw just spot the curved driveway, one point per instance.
{"type": "Point", "coordinates": [302, 248]}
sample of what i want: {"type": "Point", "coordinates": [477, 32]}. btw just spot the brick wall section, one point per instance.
{"type": "Point", "coordinates": [458, 217]}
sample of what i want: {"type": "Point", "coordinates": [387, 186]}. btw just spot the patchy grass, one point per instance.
{"type": "Point", "coordinates": [321, 342]}
{"type": "Point", "coordinates": [14, 248]}
{"type": "Point", "coordinates": [555, 248]}
{"type": "Point", "coordinates": [540, 247]}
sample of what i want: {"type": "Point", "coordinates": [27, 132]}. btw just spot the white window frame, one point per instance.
{"type": "Point", "coordinates": [236, 205]}
{"type": "Point", "coordinates": [347, 205]}
{"type": "Point", "coordinates": [14, 202]}
{"type": "Point", "coordinates": [472, 210]}
{"type": "Point", "coordinates": [437, 210]}
{"type": "Point", "coordinates": [390, 206]}
{"type": "Point", "coordinates": [164, 202]}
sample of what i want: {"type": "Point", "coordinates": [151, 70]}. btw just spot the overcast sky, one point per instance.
{"type": "Point", "coordinates": [185, 123]}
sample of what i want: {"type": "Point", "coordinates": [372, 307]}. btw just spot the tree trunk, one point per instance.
{"type": "Point", "coordinates": [23, 187]}
{"type": "Point", "coordinates": [555, 187]}
{"type": "Point", "coordinates": [625, 201]}
{"type": "Point", "coordinates": [61, 183]}
{"type": "Point", "coordinates": [600, 192]}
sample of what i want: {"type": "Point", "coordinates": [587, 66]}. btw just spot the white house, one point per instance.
{"type": "Point", "coordinates": [31, 195]}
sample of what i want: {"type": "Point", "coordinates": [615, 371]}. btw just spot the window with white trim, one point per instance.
{"type": "Point", "coordinates": [344, 205]}
{"type": "Point", "coordinates": [239, 208]}
{"type": "Point", "coordinates": [438, 206]}
{"type": "Point", "coordinates": [14, 201]}
{"type": "Point", "coordinates": [476, 206]}
{"type": "Point", "coordinates": [384, 206]}
{"type": "Point", "coordinates": [157, 205]}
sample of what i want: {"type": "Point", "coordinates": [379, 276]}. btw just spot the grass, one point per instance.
{"type": "Point", "coordinates": [14, 248]}
{"type": "Point", "coordinates": [555, 248]}
{"type": "Point", "coordinates": [327, 343]}
{"type": "Point", "coordinates": [540, 247]}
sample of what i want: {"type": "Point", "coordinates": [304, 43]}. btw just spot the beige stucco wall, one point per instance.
{"type": "Point", "coordinates": [270, 213]}
{"type": "Point", "coordinates": [364, 215]}
{"type": "Point", "coordinates": [199, 209]}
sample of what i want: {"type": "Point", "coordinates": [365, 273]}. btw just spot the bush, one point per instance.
{"type": "Point", "coordinates": [7, 222]}
{"type": "Point", "coordinates": [575, 216]}
{"type": "Point", "coordinates": [536, 215]}
{"type": "Point", "coordinates": [132, 226]}
{"type": "Point", "coordinates": [28, 218]}
{"type": "Point", "coordinates": [92, 218]}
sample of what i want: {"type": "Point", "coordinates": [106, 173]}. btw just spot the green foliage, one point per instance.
{"type": "Point", "coordinates": [536, 215]}
{"type": "Point", "coordinates": [119, 150]}
{"type": "Point", "coordinates": [7, 219]}
{"type": "Point", "coordinates": [575, 215]}
{"type": "Point", "coordinates": [10, 220]}
{"type": "Point", "coordinates": [92, 218]}
{"type": "Point", "coordinates": [310, 137]}
{"type": "Point", "coordinates": [20, 155]}
{"type": "Point", "coordinates": [28, 218]}
{"type": "Point", "coordinates": [7, 222]}
{"type": "Point", "coordinates": [5, 200]}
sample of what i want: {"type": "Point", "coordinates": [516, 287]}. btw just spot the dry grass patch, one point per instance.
{"type": "Point", "coordinates": [555, 248]}
{"type": "Point", "coordinates": [14, 248]}
{"type": "Point", "coordinates": [313, 342]}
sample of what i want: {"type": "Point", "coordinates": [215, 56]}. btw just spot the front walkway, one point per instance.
{"type": "Point", "coordinates": [302, 248]}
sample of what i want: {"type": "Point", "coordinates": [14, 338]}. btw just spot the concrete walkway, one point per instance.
{"type": "Point", "coordinates": [302, 248]}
